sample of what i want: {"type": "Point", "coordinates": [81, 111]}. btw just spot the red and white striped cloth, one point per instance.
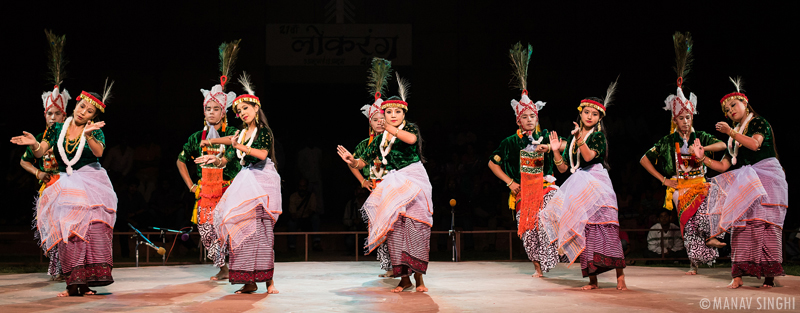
{"type": "Point", "coordinates": [409, 245]}
{"type": "Point", "coordinates": [756, 250]}
{"type": "Point", "coordinates": [254, 260]}
{"type": "Point", "coordinates": [88, 260]}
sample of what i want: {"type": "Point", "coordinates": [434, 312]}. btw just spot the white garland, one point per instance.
{"type": "Point", "coordinates": [733, 146]}
{"type": "Point", "coordinates": [63, 152]}
{"type": "Point", "coordinates": [388, 148]}
{"type": "Point", "coordinates": [572, 165]}
{"type": "Point", "coordinates": [241, 154]}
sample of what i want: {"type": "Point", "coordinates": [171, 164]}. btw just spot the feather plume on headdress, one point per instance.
{"type": "Point", "coordinates": [107, 91]}
{"type": "Point", "coordinates": [683, 55]}
{"type": "Point", "coordinates": [379, 74]}
{"type": "Point", "coordinates": [738, 82]}
{"type": "Point", "coordinates": [244, 79]}
{"type": "Point", "coordinates": [404, 87]}
{"type": "Point", "coordinates": [612, 88]}
{"type": "Point", "coordinates": [520, 58]}
{"type": "Point", "coordinates": [56, 61]}
{"type": "Point", "coordinates": [228, 51]}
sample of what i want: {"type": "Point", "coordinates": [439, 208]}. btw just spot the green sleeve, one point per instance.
{"type": "Point", "coordinates": [190, 149]}
{"type": "Point", "coordinates": [597, 143]}
{"type": "Point", "coordinates": [99, 136]}
{"type": "Point", "coordinates": [759, 126]}
{"type": "Point", "coordinates": [357, 153]}
{"type": "Point", "coordinates": [501, 154]}
{"type": "Point", "coordinates": [28, 155]}
{"type": "Point", "coordinates": [52, 133]}
{"type": "Point", "coordinates": [706, 138]}
{"type": "Point", "coordinates": [655, 151]}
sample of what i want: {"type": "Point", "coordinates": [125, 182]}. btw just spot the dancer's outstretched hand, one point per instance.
{"type": "Point", "coordinates": [206, 160]}
{"type": "Point", "coordinates": [345, 155]}
{"type": "Point", "coordinates": [235, 140]}
{"type": "Point", "coordinates": [93, 126]}
{"type": "Point", "coordinates": [26, 139]}
{"type": "Point", "coordinates": [724, 128]}
{"type": "Point", "coordinates": [555, 142]}
{"type": "Point", "coordinates": [697, 149]}
{"type": "Point", "coordinates": [576, 129]}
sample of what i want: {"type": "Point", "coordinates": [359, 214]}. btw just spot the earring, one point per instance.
{"type": "Point", "coordinates": [598, 127]}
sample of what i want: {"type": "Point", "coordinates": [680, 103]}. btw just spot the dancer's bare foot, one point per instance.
{"type": "Point", "coordinates": [736, 283]}
{"type": "Point", "coordinates": [692, 269]}
{"type": "Point", "coordinates": [72, 291]}
{"type": "Point", "coordinates": [271, 287]}
{"type": "Point", "coordinates": [420, 283]}
{"type": "Point", "coordinates": [538, 267]}
{"type": "Point", "coordinates": [592, 283]}
{"type": "Point", "coordinates": [769, 282]}
{"type": "Point", "coordinates": [222, 274]}
{"type": "Point", "coordinates": [84, 290]}
{"type": "Point", "coordinates": [621, 280]}
{"type": "Point", "coordinates": [247, 288]}
{"type": "Point", "coordinates": [714, 243]}
{"type": "Point", "coordinates": [404, 284]}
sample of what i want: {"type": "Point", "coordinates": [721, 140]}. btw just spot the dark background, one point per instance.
{"type": "Point", "coordinates": [160, 54]}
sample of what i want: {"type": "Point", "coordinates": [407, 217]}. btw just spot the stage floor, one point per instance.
{"type": "Point", "coordinates": [355, 287]}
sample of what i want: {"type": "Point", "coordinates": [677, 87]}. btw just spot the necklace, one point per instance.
{"type": "Point", "coordinates": [733, 146]}
{"type": "Point", "coordinates": [69, 163]}
{"type": "Point", "coordinates": [385, 147]}
{"type": "Point", "coordinates": [573, 150]}
{"type": "Point", "coordinates": [242, 154]}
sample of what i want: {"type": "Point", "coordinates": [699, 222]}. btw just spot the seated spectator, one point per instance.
{"type": "Point", "coordinates": [671, 243]}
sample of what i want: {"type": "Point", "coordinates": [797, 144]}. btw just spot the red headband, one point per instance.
{"type": "Point", "coordinates": [94, 101]}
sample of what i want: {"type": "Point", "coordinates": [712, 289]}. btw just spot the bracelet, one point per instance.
{"type": "Point", "coordinates": [732, 133]}
{"type": "Point", "coordinates": [362, 181]}
{"type": "Point", "coordinates": [248, 150]}
{"type": "Point", "coordinates": [397, 131]}
{"type": "Point", "coordinates": [36, 174]}
{"type": "Point", "coordinates": [38, 146]}
{"type": "Point", "coordinates": [664, 181]}
{"type": "Point", "coordinates": [549, 148]}
{"type": "Point", "coordinates": [703, 160]}
{"type": "Point", "coordinates": [559, 162]}
{"type": "Point", "coordinates": [354, 165]}
{"type": "Point", "coordinates": [193, 187]}
{"type": "Point", "coordinates": [509, 183]}
{"type": "Point", "coordinates": [220, 163]}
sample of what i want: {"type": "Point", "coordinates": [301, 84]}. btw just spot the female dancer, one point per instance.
{"type": "Point", "coordinates": [400, 208]}
{"type": "Point", "coordinates": [55, 104]}
{"type": "Point", "coordinates": [78, 210]}
{"type": "Point", "coordinates": [247, 212]}
{"type": "Point", "coordinates": [671, 162]}
{"type": "Point", "coordinates": [582, 215]}
{"type": "Point", "coordinates": [371, 175]}
{"type": "Point", "coordinates": [524, 163]}
{"type": "Point", "coordinates": [213, 178]}
{"type": "Point", "coordinates": [751, 200]}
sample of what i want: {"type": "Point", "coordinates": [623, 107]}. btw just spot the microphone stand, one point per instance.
{"type": "Point", "coordinates": [452, 231]}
